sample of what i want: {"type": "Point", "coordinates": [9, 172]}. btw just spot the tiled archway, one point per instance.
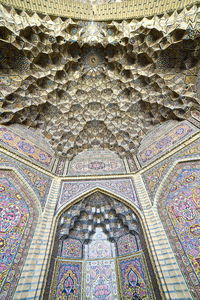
{"type": "Point", "coordinates": [99, 252]}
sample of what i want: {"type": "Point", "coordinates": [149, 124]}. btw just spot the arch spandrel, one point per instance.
{"type": "Point", "coordinates": [122, 188]}
{"type": "Point", "coordinates": [18, 218]}
{"type": "Point", "coordinates": [37, 202]}
{"type": "Point", "coordinates": [104, 191]}
{"type": "Point", "coordinates": [179, 210]}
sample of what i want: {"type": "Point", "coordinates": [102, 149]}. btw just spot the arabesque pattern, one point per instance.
{"type": "Point", "coordinates": [38, 181]}
{"type": "Point", "coordinates": [21, 145]}
{"type": "Point", "coordinates": [179, 208]}
{"type": "Point", "coordinates": [72, 189]}
{"type": "Point", "coordinates": [166, 142]}
{"type": "Point", "coordinates": [154, 176]}
{"type": "Point", "coordinates": [101, 280]}
{"type": "Point", "coordinates": [134, 279]}
{"type": "Point", "coordinates": [18, 218]}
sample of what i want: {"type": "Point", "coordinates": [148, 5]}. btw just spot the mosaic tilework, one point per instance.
{"type": "Point", "coordinates": [127, 244]}
{"type": "Point", "coordinates": [96, 162]}
{"type": "Point", "coordinates": [153, 176]}
{"type": "Point", "coordinates": [131, 163]}
{"type": "Point", "coordinates": [71, 248]}
{"type": "Point", "coordinates": [194, 121]}
{"type": "Point", "coordinates": [196, 114]}
{"type": "Point", "coordinates": [101, 282]}
{"type": "Point", "coordinates": [122, 187]}
{"type": "Point", "coordinates": [67, 280]}
{"type": "Point", "coordinates": [18, 217]}
{"type": "Point", "coordinates": [175, 136]}
{"type": "Point", "coordinates": [133, 278]}
{"type": "Point", "coordinates": [99, 247]}
{"type": "Point", "coordinates": [25, 148]}
{"type": "Point", "coordinates": [39, 182]}
{"type": "Point", "coordinates": [102, 224]}
{"type": "Point", "coordinates": [60, 166]}
{"type": "Point", "coordinates": [179, 209]}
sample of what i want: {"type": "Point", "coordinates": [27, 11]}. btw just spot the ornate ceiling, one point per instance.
{"type": "Point", "coordinates": [97, 84]}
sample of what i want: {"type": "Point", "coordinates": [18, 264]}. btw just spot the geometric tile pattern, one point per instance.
{"type": "Point", "coordinates": [127, 244]}
{"type": "Point", "coordinates": [71, 248]}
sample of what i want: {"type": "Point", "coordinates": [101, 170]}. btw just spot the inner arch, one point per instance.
{"type": "Point", "coordinates": [100, 253]}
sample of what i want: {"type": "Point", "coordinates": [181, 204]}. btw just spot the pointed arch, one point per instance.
{"type": "Point", "coordinates": [61, 266]}
{"type": "Point", "coordinates": [103, 191]}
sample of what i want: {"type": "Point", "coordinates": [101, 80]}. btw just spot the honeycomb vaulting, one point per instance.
{"type": "Point", "coordinates": [97, 84]}
{"type": "Point", "coordinates": [98, 210]}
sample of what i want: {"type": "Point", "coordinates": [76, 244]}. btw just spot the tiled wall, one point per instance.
{"type": "Point", "coordinates": [39, 182]}
{"type": "Point", "coordinates": [161, 141]}
{"type": "Point", "coordinates": [19, 213]}
{"type": "Point", "coordinates": [167, 267]}
{"type": "Point", "coordinates": [99, 162]}
{"type": "Point", "coordinates": [21, 145]}
{"type": "Point", "coordinates": [178, 207]}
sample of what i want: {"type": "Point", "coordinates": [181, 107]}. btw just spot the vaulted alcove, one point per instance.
{"type": "Point", "coordinates": [100, 253]}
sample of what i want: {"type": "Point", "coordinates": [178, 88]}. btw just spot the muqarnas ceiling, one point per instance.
{"type": "Point", "coordinates": [97, 85]}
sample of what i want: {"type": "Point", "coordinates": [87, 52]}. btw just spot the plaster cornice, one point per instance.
{"type": "Point", "coordinates": [104, 12]}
